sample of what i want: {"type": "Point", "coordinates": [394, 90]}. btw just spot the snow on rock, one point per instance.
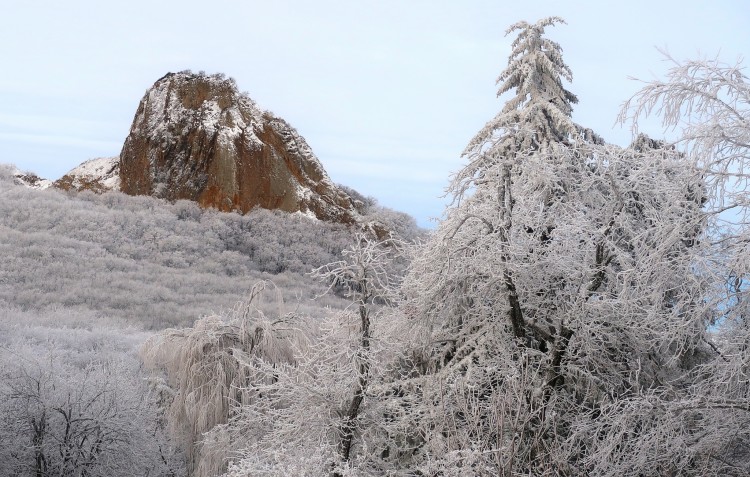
{"type": "Point", "coordinates": [31, 180]}
{"type": "Point", "coordinates": [99, 175]}
{"type": "Point", "coordinates": [196, 137]}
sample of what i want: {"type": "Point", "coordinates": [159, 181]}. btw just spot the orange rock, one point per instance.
{"type": "Point", "coordinates": [196, 137]}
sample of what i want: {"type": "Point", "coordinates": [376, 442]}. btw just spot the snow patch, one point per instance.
{"type": "Point", "coordinates": [28, 179]}
{"type": "Point", "coordinates": [104, 170]}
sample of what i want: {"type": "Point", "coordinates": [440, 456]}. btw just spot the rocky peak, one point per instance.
{"type": "Point", "coordinates": [196, 137]}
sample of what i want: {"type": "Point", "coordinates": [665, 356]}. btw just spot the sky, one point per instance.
{"type": "Point", "coordinates": [387, 93]}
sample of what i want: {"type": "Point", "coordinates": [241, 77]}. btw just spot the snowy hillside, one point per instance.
{"type": "Point", "coordinates": [147, 261]}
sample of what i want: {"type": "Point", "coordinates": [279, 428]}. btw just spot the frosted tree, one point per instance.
{"type": "Point", "coordinates": [699, 427]}
{"type": "Point", "coordinates": [324, 411]}
{"type": "Point", "coordinates": [213, 370]}
{"type": "Point", "coordinates": [540, 110]}
{"type": "Point", "coordinates": [58, 418]}
{"type": "Point", "coordinates": [561, 281]}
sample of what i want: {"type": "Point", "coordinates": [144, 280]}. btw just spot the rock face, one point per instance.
{"type": "Point", "coordinates": [98, 175]}
{"type": "Point", "coordinates": [196, 137]}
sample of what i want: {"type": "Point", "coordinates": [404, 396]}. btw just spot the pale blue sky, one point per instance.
{"type": "Point", "coordinates": [387, 93]}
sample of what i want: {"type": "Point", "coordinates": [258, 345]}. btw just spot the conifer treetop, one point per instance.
{"type": "Point", "coordinates": [540, 111]}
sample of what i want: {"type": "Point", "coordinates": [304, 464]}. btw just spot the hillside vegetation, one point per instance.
{"type": "Point", "coordinates": [151, 262]}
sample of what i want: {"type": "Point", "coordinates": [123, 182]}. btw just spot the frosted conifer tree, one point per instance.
{"type": "Point", "coordinates": [540, 110]}
{"type": "Point", "coordinates": [560, 281]}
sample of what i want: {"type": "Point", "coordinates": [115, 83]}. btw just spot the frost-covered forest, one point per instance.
{"type": "Point", "coordinates": [159, 264]}
{"type": "Point", "coordinates": [580, 309]}
{"type": "Point", "coordinates": [86, 278]}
